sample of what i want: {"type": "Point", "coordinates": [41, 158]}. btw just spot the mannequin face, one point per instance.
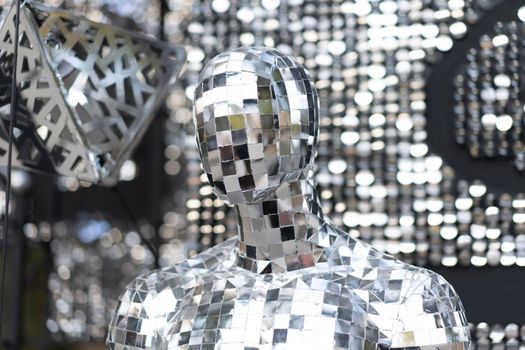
{"type": "Point", "coordinates": [256, 115]}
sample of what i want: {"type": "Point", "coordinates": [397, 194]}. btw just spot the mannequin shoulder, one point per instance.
{"type": "Point", "coordinates": [148, 303]}
{"type": "Point", "coordinates": [427, 310]}
{"type": "Point", "coordinates": [396, 281]}
{"type": "Point", "coordinates": [184, 275]}
{"type": "Point", "coordinates": [411, 306]}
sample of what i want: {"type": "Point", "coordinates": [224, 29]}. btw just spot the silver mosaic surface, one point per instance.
{"type": "Point", "coordinates": [257, 121]}
{"type": "Point", "coordinates": [291, 280]}
{"type": "Point", "coordinates": [88, 91]}
{"type": "Point", "coordinates": [358, 299]}
{"type": "Point", "coordinates": [256, 116]}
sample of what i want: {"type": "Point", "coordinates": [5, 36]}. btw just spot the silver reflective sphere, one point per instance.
{"type": "Point", "coordinates": [257, 119]}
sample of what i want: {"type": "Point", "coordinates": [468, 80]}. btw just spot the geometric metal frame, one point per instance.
{"type": "Point", "coordinates": [87, 92]}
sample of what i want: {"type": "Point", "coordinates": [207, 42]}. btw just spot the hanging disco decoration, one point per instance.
{"type": "Point", "coordinates": [88, 92]}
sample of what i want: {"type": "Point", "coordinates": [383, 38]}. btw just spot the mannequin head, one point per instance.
{"type": "Point", "coordinates": [256, 115]}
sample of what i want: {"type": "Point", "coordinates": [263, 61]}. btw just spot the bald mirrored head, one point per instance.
{"type": "Point", "coordinates": [256, 115]}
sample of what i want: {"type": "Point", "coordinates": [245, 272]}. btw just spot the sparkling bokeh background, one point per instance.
{"type": "Point", "coordinates": [380, 175]}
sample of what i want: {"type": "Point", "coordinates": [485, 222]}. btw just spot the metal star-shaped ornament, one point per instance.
{"type": "Point", "coordinates": [87, 92]}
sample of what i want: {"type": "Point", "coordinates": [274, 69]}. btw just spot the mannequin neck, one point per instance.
{"type": "Point", "coordinates": [280, 233]}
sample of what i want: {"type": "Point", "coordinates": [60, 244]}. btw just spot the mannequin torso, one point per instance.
{"type": "Point", "coordinates": [358, 299]}
{"type": "Point", "coordinates": [290, 280]}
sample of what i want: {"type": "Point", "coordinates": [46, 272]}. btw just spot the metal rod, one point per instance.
{"type": "Point", "coordinates": [14, 111]}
